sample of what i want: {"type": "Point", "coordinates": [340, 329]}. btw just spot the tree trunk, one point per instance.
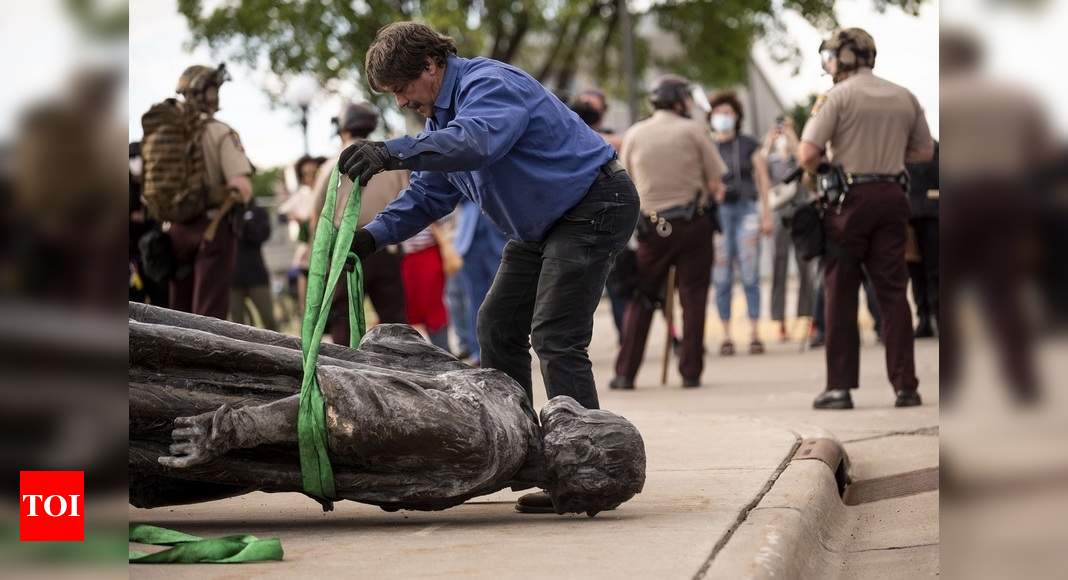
{"type": "Point", "coordinates": [522, 25]}
{"type": "Point", "coordinates": [554, 51]}
{"type": "Point", "coordinates": [566, 70]}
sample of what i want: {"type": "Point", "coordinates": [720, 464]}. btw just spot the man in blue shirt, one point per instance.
{"type": "Point", "coordinates": [552, 185]}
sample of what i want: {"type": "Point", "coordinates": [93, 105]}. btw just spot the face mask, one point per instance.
{"type": "Point", "coordinates": [722, 123]}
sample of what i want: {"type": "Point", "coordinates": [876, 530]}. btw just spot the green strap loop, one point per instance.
{"type": "Point", "coordinates": [330, 249]}
{"type": "Point", "coordinates": [187, 549]}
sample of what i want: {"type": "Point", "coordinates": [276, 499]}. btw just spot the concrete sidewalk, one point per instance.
{"type": "Point", "coordinates": [716, 456]}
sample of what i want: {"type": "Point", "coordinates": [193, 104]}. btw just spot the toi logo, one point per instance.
{"type": "Point", "coordinates": [51, 506]}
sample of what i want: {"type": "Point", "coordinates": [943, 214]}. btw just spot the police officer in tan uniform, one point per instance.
{"type": "Point", "coordinates": [677, 170]}
{"type": "Point", "coordinates": [206, 267]}
{"type": "Point", "coordinates": [381, 270]}
{"type": "Point", "coordinates": [870, 128]}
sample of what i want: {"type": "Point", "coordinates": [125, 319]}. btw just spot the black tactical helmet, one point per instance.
{"type": "Point", "coordinates": [357, 118]}
{"type": "Point", "coordinates": [197, 78]}
{"type": "Point", "coordinates": [853, 48]}
{"type": "Point", "coordinates": [195, 81]}
{"type": "Point", "coordinates": [668, 90]}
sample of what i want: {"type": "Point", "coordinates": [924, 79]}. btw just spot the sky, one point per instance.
{"type": "Point", "coordinates": [908, 55]}
{"type": "Point", "coordinates": [907, 48]}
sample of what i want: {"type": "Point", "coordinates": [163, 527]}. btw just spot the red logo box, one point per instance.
{"type": "Point", "coordinates": [51, 506]}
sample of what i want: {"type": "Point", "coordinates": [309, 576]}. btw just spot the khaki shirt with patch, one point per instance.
{"type": "Point", "coordinates": [870, 124]}
{"type": "Point", "coordinates": [382, 189]}
{"type": "Point", "coordinates": [224, 157]}
{"type": "Point", "coordinates": [670, 158]}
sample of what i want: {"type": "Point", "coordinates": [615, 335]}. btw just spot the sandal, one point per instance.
{"type": "Point", "coordinates": [726, 349]}
{"type": "Point", "coordinates": [756, 347]}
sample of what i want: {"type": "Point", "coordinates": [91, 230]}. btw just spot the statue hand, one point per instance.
{"type": "Point", "coordinates": [200, 438]}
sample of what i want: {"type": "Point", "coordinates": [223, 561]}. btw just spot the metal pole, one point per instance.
{"type": "Point", "coordinates": [626, 26]}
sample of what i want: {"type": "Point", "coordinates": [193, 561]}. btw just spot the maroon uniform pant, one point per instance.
{"type": "Point", "coordinates": [205, 269]}
{"type": "Point", "coordinates": [870, 230]}
{"type": "Point", "coordinates": [689, 248]}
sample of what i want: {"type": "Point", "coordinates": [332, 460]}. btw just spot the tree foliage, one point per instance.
{"type": "Point", "coordinates": [551, 39]}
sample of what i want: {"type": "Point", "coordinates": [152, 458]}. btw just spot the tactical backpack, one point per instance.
{"type": "Point", "coordinates": [175, 185]}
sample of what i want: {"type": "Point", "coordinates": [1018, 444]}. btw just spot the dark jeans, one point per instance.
{"type": "Point", "coordinates": [690, 249]}
{"type": "Point", "coordinates": [870, 231]}
{"type": "Point", "coordinates": [622, 285]}
{"type": "Point", "coordinates": [780, 269]}
{"type": "Point", "coordinates": [924, 273]}
{"type": "Point", "coordinates": [545, 293]}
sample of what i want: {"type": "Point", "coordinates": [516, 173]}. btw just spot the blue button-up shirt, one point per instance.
{"type": "Point", "coordinates": [500, 139]}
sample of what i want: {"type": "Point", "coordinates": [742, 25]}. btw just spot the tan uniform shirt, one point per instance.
{"type": "Point", "coordinates": [999, 130]}
{"type": "Point", "coordinates": [382, 189]}
{"type": "Point", "coordinates": [870, 124]}
{"type": "Point", "coordinates": [670, 158]}
{"type": "Point", "coordinates": [224, 157]}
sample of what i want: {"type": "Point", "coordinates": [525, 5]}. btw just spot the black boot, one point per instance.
{"type": "Point", "coordinates": [537, 502]}
{"type": "Point", "coordinates": [621, 383]}
{"type": "Point", "coordinates": [817, 340]}
{"type": "Point", "coordinates": [908, 399]}
{"type": "Point", "coordinates": [924, 329]}
{"type": "Point", "coordinates": [833, 399]}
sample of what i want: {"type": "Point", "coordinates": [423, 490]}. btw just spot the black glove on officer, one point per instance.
{"type": "Point", "coordinates": [363, 159]}
{"type": "Point", "coordinates": [363, 245]}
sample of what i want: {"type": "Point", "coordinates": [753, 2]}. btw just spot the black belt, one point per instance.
{"type": "Point", "coordinates": [865, 178]}
{"type": "Point", "coordinates": [611, 168]}
{"type": "Point", "coordinates": [662, 219]}
{"type": "Point", "coordinates": [679, 212]}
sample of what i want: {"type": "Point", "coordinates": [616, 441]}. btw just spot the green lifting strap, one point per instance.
{"type": "Point", "coordinates": [187, 549]}
{"type": "Point", "coordinates": [330, 249]}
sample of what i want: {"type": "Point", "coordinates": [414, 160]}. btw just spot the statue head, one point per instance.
{"type": "Point", "coordinates": [594, 460]}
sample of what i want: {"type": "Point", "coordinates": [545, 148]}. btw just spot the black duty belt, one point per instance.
{"type": "Point", "coordinates": [611, 168]}
{"type": "Point", "coordinates": [662, 219]}
{"type": "Point", "coordinates": [866, 178]}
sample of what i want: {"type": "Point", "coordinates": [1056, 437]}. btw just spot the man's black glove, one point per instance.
{"type": "Point", "coordinates": [363, 245]}
{"type": "Point", "coordinates": [363, 159]}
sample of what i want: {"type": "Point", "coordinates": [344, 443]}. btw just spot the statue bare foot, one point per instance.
{"type": "Point", "coordinates": [200, 438]}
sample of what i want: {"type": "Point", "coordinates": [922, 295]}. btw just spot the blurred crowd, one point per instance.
{"type": "Point", "coordinates": [438, 279]}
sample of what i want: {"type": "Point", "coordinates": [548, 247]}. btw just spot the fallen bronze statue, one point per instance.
{"type": "Point", "coordinates": [213, 414]}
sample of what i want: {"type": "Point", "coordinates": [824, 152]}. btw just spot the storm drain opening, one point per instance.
{"type": "Point", "coordinates": [830, 452]}
{"type": "Point", "coordinates": [891, 486]}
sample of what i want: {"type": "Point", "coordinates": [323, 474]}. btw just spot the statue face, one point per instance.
{"type": "Point", "coordinates": [595, 460]}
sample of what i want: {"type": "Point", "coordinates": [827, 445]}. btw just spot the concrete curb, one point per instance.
{"type": "Point", "coordinates": [789, 532]}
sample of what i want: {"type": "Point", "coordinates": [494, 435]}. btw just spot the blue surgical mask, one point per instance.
{"type": "Point", "coordinates": [723, 122]}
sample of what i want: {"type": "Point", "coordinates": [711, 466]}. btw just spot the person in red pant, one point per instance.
{"type": "Point", "coordinates": [423, 273]}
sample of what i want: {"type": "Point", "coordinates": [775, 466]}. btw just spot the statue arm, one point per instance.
{"type": "Point", "coordinates": [201, 438]}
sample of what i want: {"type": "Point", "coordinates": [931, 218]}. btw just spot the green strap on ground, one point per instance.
{"type": "Point", "coordinates": [330, 249]}
{"type": "Point", "coordinates": [187, 549]}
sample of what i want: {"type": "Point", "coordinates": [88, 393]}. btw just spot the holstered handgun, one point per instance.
{"type": "Point", "coordinates": [832, 184]}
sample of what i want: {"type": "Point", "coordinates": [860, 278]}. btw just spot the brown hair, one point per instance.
{"type": "Point", "coordinates": [399, 51]}
{"type": "Point", "coordinates": [728, 98]}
